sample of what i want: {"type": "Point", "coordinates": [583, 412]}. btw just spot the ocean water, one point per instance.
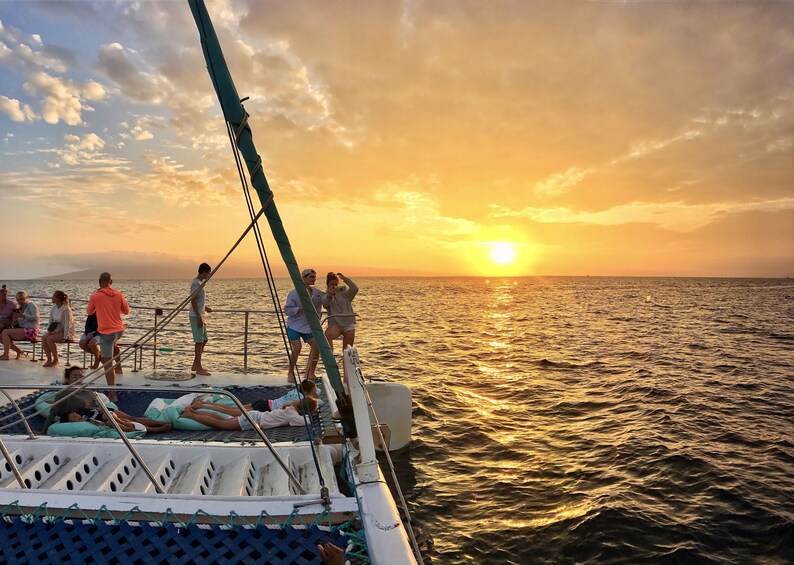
{"type": "Point", "coordinates": [561, 419]}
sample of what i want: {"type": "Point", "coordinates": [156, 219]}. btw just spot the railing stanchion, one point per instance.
{"type": "Point", "coordinates": [154, 360]}
{"type": "Point", "coordinates": [245, 346]}
{"type": "Point", "coordinates": [12, 465]}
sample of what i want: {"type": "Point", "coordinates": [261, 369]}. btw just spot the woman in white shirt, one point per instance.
{"type": "Point", "coordinates": [60, 328]}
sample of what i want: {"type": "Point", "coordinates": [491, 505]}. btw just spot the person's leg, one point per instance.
{"type": "Point", "coordinates": [93, 345]}
{"type": "Point", "coordinates": [7, 338]}
{"type": "Point", "coordinates": [117, 358]}
{"type": "Point", "coordinates": [45, 348]}
{"type": "Point", "coordinates": [199, 352]}
{"type": "Point", "coordinates": [348, 338]}
{"type": "Point", "coordinates": [106, 344]}
{"type": "Point", "coordinates": [296, 351]}
{"type": "Point", "coordinates": [314, 356]}
{"type": "Point", "coordinates": [331, 333]}
{"type": "Point", "coordinates": [212, 420]}
{"type": "Point", "coordinates": [51, 341]}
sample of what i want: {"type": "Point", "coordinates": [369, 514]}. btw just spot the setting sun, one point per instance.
{"type": "Point", "coordinates": [503, 253]}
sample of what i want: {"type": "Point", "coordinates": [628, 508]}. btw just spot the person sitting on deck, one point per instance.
{"type": "Point", "coordinates": [26, 326]}
{"type": "Point", "coordinates": [290, 414]}
{"type": "Point", "coordinates": [308, 388]}
{"type": "Point", "coordinates": [60, 328]}
{"type": "Point", "coordinates": [7, 308]}
{"type": "Point", "coordinates": [89, 342]}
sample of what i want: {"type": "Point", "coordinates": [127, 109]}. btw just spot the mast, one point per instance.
{"type": "Point", "coordinates": [237, 117]}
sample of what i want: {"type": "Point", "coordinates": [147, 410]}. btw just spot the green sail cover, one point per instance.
{"type": "Point", "coordinates": [236, 116]}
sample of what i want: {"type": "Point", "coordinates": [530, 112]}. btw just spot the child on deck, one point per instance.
{"type": "Point", "coordinates": [291, 414]}
{"type": "Point", "coordinates": [308, 388]}
{"type": "Point", "coordinates": [125, 422]}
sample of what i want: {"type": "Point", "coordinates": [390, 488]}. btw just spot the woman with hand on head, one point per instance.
{"type": "Point", "coordinates": [26, 318]}
{"type": "Point", "coordinates": [60, 328]}
{"type": "Point", "coordinates": [337, 301]}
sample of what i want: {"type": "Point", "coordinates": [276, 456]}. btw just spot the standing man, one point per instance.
{"type": "Point", "coordinates": [298, 326]}
{"type": "Point", "coordinates": [108, 304]}
{"type": "Point", "coordinates": [7, 308]}
{"type": "Point", "coordinates": [197, 311]}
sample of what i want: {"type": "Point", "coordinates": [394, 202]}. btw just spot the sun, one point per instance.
{"type": "Point", "coordinates": [503, 253]}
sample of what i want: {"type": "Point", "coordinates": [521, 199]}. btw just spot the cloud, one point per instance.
{"type": "Point", "coordinates": [81, 149]}
{"type": "Point", "coordinates": [14, 110]}
{"type": "Point", "coordinates": [30, 53]}
{"type": "Point", "coordinates": [676, 216]}
{"type": "Point", "coordinates": [113, 61]}
{"type": "Point", "coordinates": [63, 98]}
{"type": "Point", "coordinates": [560, 182]}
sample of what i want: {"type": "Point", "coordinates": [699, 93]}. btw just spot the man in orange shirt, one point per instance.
{"type": "Point", "coordinates": [108, 304]}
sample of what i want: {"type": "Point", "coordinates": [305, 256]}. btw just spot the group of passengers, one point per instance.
{"type": "Point", "coordinates": [82, 406]}
{"type": "Point", "coordinates": [20, 320]}
{"type": "Point", "coordinates": [341, 319]}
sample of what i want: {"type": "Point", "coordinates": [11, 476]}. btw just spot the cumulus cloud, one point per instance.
{"type": "Point", "coordinates": [16, 111]}
{"type": "Point", "coordinates": [81, 149]}
{"type": "Point", "coordinates": [63, 98]}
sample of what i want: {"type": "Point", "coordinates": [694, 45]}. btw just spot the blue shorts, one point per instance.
{"type": "Point", "coordinates": [295, 335]}
{"type": "Point", "coordinates": [106, 343]}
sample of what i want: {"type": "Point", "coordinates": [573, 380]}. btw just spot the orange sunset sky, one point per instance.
{"type": "Point", "coordinates": [434, 138]}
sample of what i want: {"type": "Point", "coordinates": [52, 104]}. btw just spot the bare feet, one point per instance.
{"type": "Point", "coordinates": [118, 370]}
{"type": "Point", "coordinates": [47, 364]}
{"type": "Point", "coordinates": [95, 364]}
{"type": "Point", "coordinates": [4, 357]}
{"type": "Point", "coordinates": [203, 372]}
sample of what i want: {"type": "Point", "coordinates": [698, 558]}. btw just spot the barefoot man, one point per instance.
{"type": "Point", "coordinates": [298, 326]}
{"type": "Point", "coordinates": [108, 304]}
{"type": "Point", "coordinates": [197, 325]}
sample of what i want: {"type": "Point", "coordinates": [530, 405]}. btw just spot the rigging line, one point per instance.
{"type": "Point", "coordinates": [93, 376]}
{"type": "Point", "coordinates": [404, 504]}
{"type": "Point", "coordinates": [273, 295]}
{"type": "Point", "coordinates": [261, 246]}
{"type": "Point", "coordinates": [202, 25]}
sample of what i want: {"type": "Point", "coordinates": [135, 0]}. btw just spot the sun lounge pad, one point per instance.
{"type": "Point", "coordinates": [135, 404]}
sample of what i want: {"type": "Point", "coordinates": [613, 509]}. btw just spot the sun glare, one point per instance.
{"type": "Point", "coordinates": [503, 253]}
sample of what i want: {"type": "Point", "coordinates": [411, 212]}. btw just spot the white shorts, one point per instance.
{"type": "Point", "coordinates": [245, 425]}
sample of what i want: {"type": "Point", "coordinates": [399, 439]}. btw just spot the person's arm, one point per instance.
{"type": "Point", "coordinates": [293, 305]}
{"type": "Point", "coordinates": [352, 288]}
{"type": "Point", "coordinates": [91, 308]}
{"type": "Point", "coordinates": [68, 326]}
{"type": "Point", "coordinates": [125, 308]}
{"type": "Point", "coordinates": [326, 300]}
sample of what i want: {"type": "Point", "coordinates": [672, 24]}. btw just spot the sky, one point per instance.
{"type": "Point", "coordinates": [437, 138]}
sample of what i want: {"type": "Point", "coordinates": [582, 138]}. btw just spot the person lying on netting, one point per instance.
{"type": "Point", "coordinates": [291, 414]}
{"type": "Point", "coordinates": [70, 405]}
{"type": "Point", "coordinates": [308, 388]}
{"type": "Point", "coordinates": [125, 422]}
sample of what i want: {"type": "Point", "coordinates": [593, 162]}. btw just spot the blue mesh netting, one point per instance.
{"type": "Point", "coordinates": [60, 541]}
{"type": "Point", "coordinates": [135, 404]}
